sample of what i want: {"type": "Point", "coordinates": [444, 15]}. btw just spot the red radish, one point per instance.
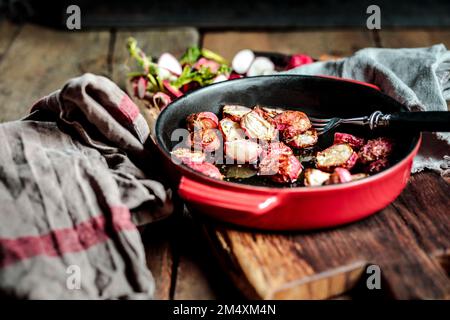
{"type": "Point", "coordinates": [201, 121]}
{"type": "Point", "coordinates": [242, 61]}
{"type": "Point", "coordinates": [188, 156]}
{"type": "Point", "coordinates": [172, 90]}
{"type": "Point", "coordinates": [376, 166]}
{"type": "Point", "coordinates": [231, 130]}
{"type": "Point", "coordinates": [315, 177]}
{"type": "Point", "coordinates": [274, 157]}
{"type": "Point", "coordinates": [234, 75]}
{"type": "Point", "coordinates": [207, 169]}
{"type": "Point", "coordinates": [261, 66]}
{"type": "Point", "coordinates": [139, 87]}
{"type": "Point", "coordinates": [298, 60]}
{"type": "Point", "coordinates": [338, 155]}
{"type": "Point", "coordinates": [289, 169]}
{"type": "Point", "coordinates": [235, 112]}
{"type": "Point", "coordinates": [355, 142]}
{"type": "Point", "coordinates": [220, 78]}
{"type": "Point", "coordinates": [375, 149]}
{"type": "Point", "coordinates": [256, 127]}
{"type": "Point", "coordinates": [340, 175]}
{"type": "Point", "coordinates": [243, 151]}
{"type": "Point", "coordinates": [161, 100]}
{"type": "Point", "coordinates": [203, 62]}
{"type": "Point", "coordinates": [207, 140]}
{"type": "Point", "coordinates": [169, 62]}
{"type": "Point", "coordinates": [304, 140]}
{"type": "Point", "coordinates": [292, 123]}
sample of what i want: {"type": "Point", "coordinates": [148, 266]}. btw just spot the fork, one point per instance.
{"type": "Point", "coordinates": [415, 121]}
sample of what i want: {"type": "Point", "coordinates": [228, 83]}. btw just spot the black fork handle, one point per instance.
{"type": "Point", "coordinates": [438, 121]}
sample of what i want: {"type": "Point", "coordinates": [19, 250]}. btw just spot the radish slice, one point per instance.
{"type": "Point", "coordinates": [242, 61]}
{"type": "Point", "coordinates": [220, 78]}
{"type": "Point", "coordinates": [212, 65]}
{"type": "Point", "coordinates": [172, 90]}
{"type": "Point", "coordinates": [169, 62]}
{"type": "Point", "coordinates": [261, 66]}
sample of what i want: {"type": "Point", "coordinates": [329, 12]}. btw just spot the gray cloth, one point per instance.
{"type": "Point", "coordinates": [419, 78]}
{"type": "Point", "coordinates": [70, 197]}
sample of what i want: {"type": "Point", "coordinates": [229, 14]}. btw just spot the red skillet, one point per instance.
{"type": "Point", "coordinates": [281, 208]}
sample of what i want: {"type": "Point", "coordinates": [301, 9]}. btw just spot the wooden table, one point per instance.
{"type": "Point", "coordinates": [409, 240]}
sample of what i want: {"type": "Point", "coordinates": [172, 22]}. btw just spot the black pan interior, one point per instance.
{"type": "Point", "coordinates": [316, 96]}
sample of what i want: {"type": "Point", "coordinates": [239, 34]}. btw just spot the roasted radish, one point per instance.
{"type": "Point", "coordinates": [354, 142]}
{"type": "Point", "coordinates": [207, 140]}
{"type": "Point", "coordinates": [315, 177]}
{"type": "Point", "coordinates": [375, 149]}
{"type": "Point", "coordinates": [231, 130]}
{"type": "Point", "coordinates": [235, 112]}
{"type": "Point", "coordinates": [338, 155]}
{"type": "Point", "coordinates": [243, 151]}
{"type": "Point", "coordinates": [256, 127]}
{"type": "Point", "coordinates": [202, 121]}
{"type": "Point", "coordinates": [186, 155]}
{"type": "Point", "coordinates": [292, 123]}
{"type": "Point", "coordinates": [303, 140]}
{"type": "Point", "coordinates": [340, 175]}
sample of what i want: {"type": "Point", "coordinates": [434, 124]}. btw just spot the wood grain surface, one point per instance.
{"type": "Point", "coordinates": [41, 60]}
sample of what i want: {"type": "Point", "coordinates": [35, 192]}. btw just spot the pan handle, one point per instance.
{"type": "Point", "coordinates": [202, 194]}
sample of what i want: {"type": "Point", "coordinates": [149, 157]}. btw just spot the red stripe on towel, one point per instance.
{"type": "Point", "coordinates": [61, 241]}
{"type": "Point", "coordinates": [128, 108]}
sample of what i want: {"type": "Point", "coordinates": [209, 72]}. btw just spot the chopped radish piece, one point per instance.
{"type": "Point", "coordinates": [161, 100]}
{"type": "Point", "coordinates": [243, 151]}
{"type": "Point", "coordinates": [202, 121]}
{"type": "Point", "coordinates": [235, 112]}
{"type": "Point", "coordinates": [261, 66]}
{"type": "Point", "coordinates": [315, 177]}
{"type": "Point", "coordinates": [298, 60]}
{"type": "Point", "coordinates": [220, 78]}
{"type": "Point", "coordinates": [169, 62]}
{"type": "Point", "coordinates": [242, 61]}
{"type": "Point", "coordinates": [212, 65]}
{"type": "Point", "coordinates": [172, 90]}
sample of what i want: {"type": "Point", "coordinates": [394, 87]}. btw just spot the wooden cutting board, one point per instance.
{"type": "Point", "coordinates": [409, 241]}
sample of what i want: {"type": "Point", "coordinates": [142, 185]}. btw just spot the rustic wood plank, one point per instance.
{"type": "Point", "coordinates": [41, 60]}
{"type": "Point", "coordinates": [158, 251]}
{"type": "Point", "coordinates": [314, 43]}
{"type": "Point", "coordinates": [409, 38]}
{"type": "Point", "coordinates": [199, 277]}
{"type": "Point", "coordinates": [8, 31]}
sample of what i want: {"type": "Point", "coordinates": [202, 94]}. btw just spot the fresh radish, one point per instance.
{"type": "Point", "coordinates": [220, 78]}
{"type": "Point", "coordinates": [298, 60]}
{"type": "Point", "coordinates": [169, 62]}
{"type": "Point", "coordinates": [172, 90]}
{"type": "Point", "coordinates": [203, 62]}
{"type": "Point", "coordinates": [161, 100]}
{"type": "Point", "coordinates": [261, 66]}
{"type": "Point", "coordinates": [242, 61]}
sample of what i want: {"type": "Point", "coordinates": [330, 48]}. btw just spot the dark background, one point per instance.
{"type": "Point", "coordinates": [228, 14]}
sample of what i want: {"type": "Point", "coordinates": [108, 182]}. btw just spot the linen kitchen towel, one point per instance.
{"type": "Point", "coordinates": [419, 78]}
{"type": "Point", "coordinates": [70, 197]}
